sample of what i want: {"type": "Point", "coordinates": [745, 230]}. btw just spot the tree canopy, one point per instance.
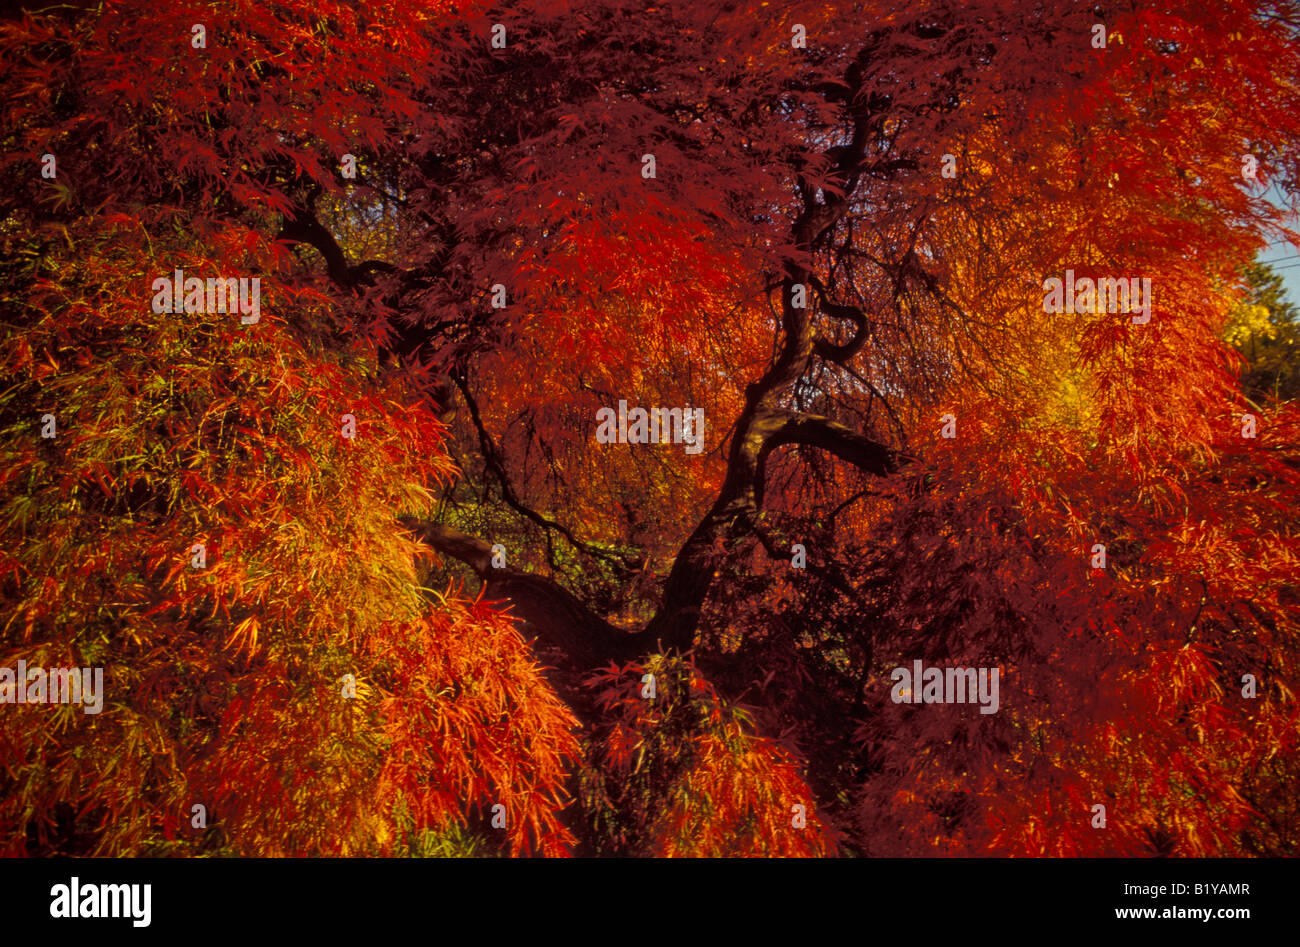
{"type": "Point", "coordinates": [378, 557]}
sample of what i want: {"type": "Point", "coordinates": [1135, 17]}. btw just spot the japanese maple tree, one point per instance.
{"type": "Point", "coordinates": [435, 613]}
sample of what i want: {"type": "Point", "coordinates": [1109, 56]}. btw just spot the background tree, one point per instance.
{"type": "Point", "coordinates": [1263, 328]}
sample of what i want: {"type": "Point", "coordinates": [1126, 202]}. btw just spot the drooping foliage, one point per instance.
{"type": "Point", "coordinates": [680, 773]}
{"type": "Point", "coordinates": [201, 528]}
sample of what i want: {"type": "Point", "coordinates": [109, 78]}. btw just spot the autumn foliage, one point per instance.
{"type": "Point", "coordinates": [457, 624]}
{"type": "Point", "coordinates": [229, 674]}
